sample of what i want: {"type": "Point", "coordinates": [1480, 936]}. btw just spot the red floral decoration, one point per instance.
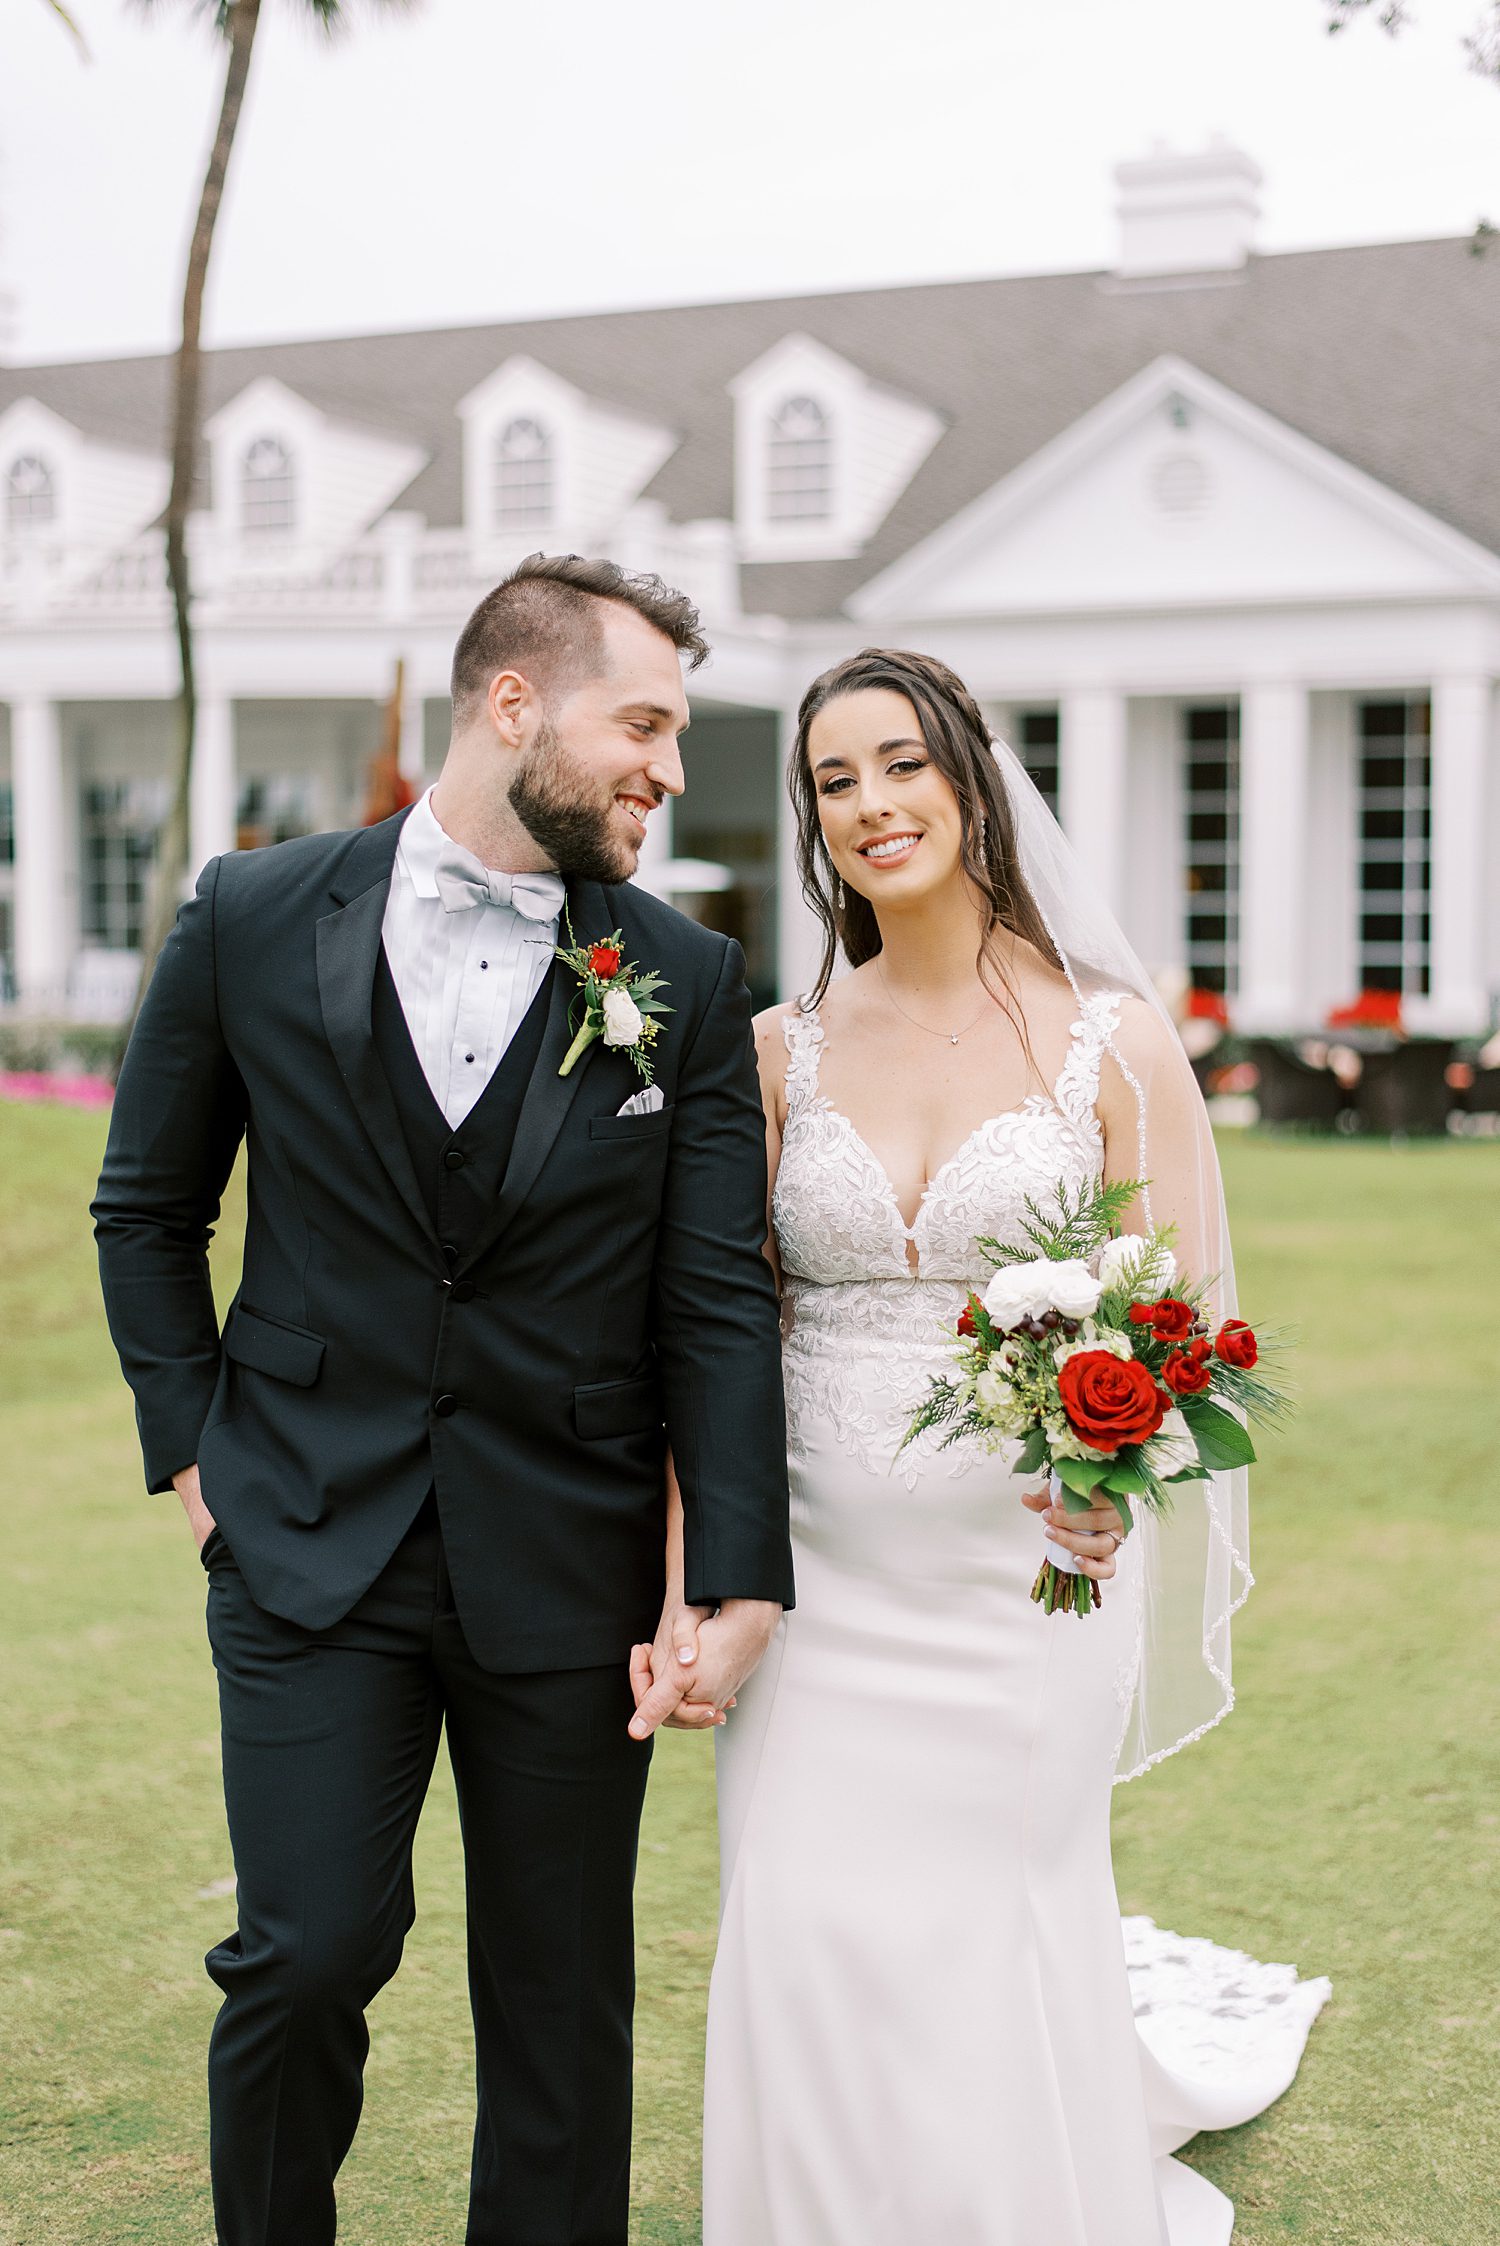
{"type": "Point", "coordinates": [966, 1325]}
{"type": "Point", "coordinates": [1373, 1009]}
{"type": "Point", "coordinates": [1110, 1400]}
{"type": "Point", "coordinates": [1170, 1320]}
{"type": "Point", "coordinates": [1208, 1006]}
{"type": "Point", "coordinates": [1186, 1374]}
{"type": "Point", "coordinates": [1237, 1344]}
{"type": "Point", "coordinates": [604, 962]}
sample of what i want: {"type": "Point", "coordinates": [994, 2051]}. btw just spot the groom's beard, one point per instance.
{"type": "Point", "coordinates": [557, 802]}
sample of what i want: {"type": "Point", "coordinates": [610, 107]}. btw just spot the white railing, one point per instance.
{"type": "Point", "coordinates": [400, 573]}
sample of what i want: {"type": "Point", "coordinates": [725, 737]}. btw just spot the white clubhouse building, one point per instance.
{"type": "Point", "coordinates": [1215, 535]}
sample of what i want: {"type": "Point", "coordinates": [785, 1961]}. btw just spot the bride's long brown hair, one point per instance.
{"type": "Point", "coordinates": [958, 742]}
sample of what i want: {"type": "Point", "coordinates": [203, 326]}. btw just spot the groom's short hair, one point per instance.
{"type": "Point", "coordinates": [545, 621]}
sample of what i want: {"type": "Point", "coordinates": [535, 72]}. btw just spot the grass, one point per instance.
{"type": "Point", "coordinates": [1347, 1817]}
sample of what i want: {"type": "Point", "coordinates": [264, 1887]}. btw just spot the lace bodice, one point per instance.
{"type": "Point", "coordinates": [835, 1209]}
{"type": "Point", "coordinates": [864, 1331]}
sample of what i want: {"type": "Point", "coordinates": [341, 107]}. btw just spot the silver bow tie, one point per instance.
{"type": "Point", "coordinates": [536, 896]}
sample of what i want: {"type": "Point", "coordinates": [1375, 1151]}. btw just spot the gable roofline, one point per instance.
{"type": "Point", "coordinates": [987, 517]}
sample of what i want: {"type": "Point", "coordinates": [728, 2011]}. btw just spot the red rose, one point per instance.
{"type": "Point", "coordinates": [604, 962]}
{"type": "Point", "coordinates": [966, 1325]}
{"type": "Point", "coordinates": [1237, 1344]}
{"type": "Point", "coordinates": [1186, 1375]}
{"type": "Point", "coordinates": [1142, 1313]}
{"type": "Point", "coordinates": [1109, 1400]}
{"type": "Point", "coordinates": [1172, 1320]}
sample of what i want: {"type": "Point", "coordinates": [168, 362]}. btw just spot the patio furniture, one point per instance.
{"type": "Point", "coordinates": [1293, 1091]}
{"type": "Point", "coordinates": [1404, 1092]}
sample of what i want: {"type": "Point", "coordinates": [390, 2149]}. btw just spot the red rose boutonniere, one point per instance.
{"type": "Point", "coordinates": [619, 1001]}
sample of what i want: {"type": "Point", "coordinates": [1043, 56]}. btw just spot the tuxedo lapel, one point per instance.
{"type": "Point", "coordinates": [348, 947]}
{"type": "Point", "coordinates": [548, 1095]}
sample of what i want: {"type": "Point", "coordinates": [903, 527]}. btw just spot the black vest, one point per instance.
{"type": "Point", "coordinates": [459, 1171]}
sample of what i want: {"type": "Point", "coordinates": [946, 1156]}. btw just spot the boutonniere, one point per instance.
{"type": "Point", "coordinates": [619, 1001]}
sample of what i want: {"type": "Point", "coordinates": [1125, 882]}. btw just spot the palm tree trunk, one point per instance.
{"type": "Point", "coordinates": [173, 841]}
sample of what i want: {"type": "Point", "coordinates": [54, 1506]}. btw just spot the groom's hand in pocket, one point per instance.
{"type": "Point", "coordinates": [200, 1520]}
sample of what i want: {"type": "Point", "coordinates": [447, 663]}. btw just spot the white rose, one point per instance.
{"type": "Point", "coordinates": [992, 1392]}
{"type": "Point", "coordinates": [1171, 1447]}
{"type": "Point", "coordinates": [1120, 1259]}
{"type": "Point", "coordinates": [622, 1018]}
{"type": "Point", "coordinates": [1073, 1291]}
{"type": "Point", "coordinates": [1092, 1337]}
{"type": "Point", "coordinates": [1064, 1442]}
{"type": "Point", "coordinates": [1017, 1291]}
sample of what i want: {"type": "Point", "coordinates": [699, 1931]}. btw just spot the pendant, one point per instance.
{"type": "Point", "coordinates": [953, 1036]}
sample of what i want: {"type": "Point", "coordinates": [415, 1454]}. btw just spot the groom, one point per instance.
{"type": "Point", "coordinates": [424, 1460]}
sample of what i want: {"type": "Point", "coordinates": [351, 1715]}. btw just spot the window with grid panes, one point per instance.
{"type": "Point", "coordinates": [121, 820]}
{"type": "Point", "coordinates": [1036, 744]}
{"type": "Point", "coordinates": [1395, 844]}
{"type": "Point", "coordinates": [30, 494]}
{"type": "Point", "coordinates": [523, 476]}
{"type": "Point", "coordinates": [268, 488]}
{"type": "Point", "coordinates": [273, 808]}
{"type": "Point", "coordinates": [1211, 845]}
{"type": "Point", "coordinates": [799, 463]}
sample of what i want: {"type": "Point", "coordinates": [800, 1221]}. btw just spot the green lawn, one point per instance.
{"type": "Point", "coordinates": [1348, 1817]}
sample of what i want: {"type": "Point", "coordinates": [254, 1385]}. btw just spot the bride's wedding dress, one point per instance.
{"type": "Point", "coordinates": [922, 2030]}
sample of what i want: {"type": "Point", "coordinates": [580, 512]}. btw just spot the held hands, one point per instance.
{"type": "Point", "coordinates": [200, 1520]}
{"type": "Point", "coordinates": [1093, 1537]}
{"type": "Point", "coordinates": [689, 1677]}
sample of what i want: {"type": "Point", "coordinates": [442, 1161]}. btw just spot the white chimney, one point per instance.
{"type": "Point", "coordinates": [1187, 213]}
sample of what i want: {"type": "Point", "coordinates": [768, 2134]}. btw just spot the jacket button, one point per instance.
{"type": "Point", "coordinates": [444, 1406]}
{"type": "Point", "coordinates": [463, 1290]}
{"type": "Point", "coordinates": [454, 1158]}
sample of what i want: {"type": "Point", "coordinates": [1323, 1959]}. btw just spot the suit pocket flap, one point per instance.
{"type": "Point", "coordinates": [288, 1353]}
{"type": "Point", "coordinates": [616, 1407]}
{"type": "Point", "coordinates": [654, 1124]}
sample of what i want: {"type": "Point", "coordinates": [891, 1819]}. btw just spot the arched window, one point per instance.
{"type": "Point", "coordinates": [799, 463]}
{"type": "Point", "coordinates": [523, 475]}
{"type": "Point", "coordinates": [30, 493]}
{"type": "Point", "coordinates": [268, 488]}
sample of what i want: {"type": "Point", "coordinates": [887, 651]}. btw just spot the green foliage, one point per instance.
{"type": "Point", "coordinates": [1222, 1442]}
{"type": "Point", "coordinates": [1080, 1223]}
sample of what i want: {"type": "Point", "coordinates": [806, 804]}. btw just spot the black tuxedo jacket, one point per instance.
{"type": "Point", "coordinates": [609, 1296]}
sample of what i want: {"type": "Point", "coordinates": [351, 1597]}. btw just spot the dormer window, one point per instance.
{"type": "Point", "coordinates": [523, 475]}
{"type": "Point", "coordinates": [268, 489]}
{"type": "Point", "coordinates": [30, 493]}
{"type": "Point", "coordinates": [799, 463]}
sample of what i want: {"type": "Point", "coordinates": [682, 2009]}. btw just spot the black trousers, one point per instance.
{"type": "Point", "coordinates": [329, 1739]}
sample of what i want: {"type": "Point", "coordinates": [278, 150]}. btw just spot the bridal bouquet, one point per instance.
{"type": "Point", "coordinates": [1079, 1350]}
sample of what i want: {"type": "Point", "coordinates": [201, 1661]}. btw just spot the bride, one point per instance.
{"type": "Point", "coordinates": [920, 2022]}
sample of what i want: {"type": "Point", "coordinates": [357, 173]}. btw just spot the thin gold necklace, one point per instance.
{"type": "Point", "coordinates": [952, 1035]}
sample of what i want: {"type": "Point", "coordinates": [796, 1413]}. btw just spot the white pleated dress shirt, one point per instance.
{"type": "Point", "coordinates": [465, 979]}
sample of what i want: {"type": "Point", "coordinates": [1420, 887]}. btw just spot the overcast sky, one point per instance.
{"type": "Point", "coordinates": [476, 159]}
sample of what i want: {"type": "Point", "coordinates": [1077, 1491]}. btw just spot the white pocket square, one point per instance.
{"type": "Point", "coordinates": [642, 1103]}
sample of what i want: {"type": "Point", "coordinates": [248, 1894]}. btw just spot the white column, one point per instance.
{"type": "Point", "coordinates": [1462, 731]}
{"type": "Point", "coordinates": [1092, 775]}
{"type": "Point", "coordinates": [44, 938]}
{"type": "Point", "coordinates": [1274, 863]}
{"type": "Point", "coordinates": [213, 793]}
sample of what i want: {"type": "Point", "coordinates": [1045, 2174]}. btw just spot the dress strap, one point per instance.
{"type": "Point", "coordinates": [803, 1034]}
{"type": "Point", "coordinates": [1077, 1088]}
